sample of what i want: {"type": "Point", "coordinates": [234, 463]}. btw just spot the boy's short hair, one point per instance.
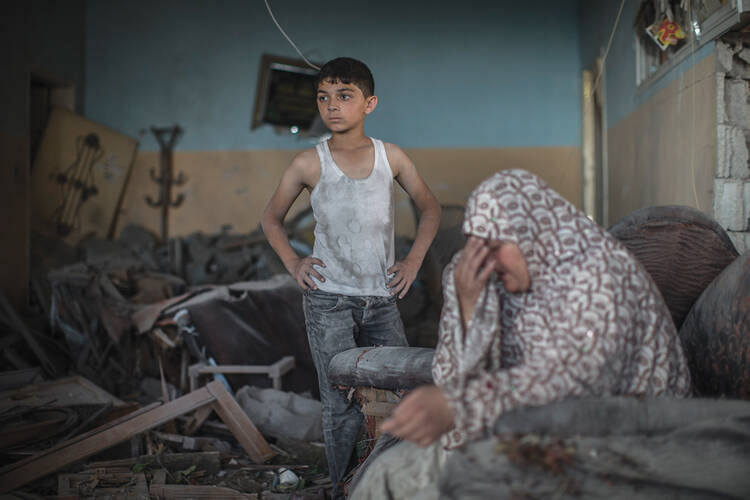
{"type": "Point", "coordinates": [349, 71]}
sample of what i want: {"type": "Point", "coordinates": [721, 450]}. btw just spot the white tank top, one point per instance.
{"type": "Point", "coordinates": [354, 226]}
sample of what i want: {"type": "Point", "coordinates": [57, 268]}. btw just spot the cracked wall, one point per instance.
{"type": "Point", "coordinates": [731, 200]}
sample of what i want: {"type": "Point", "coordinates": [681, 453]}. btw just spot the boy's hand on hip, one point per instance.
{"type": "Point", "coordinates": [405, 272]}
{"type": "Point", "coordinates": [422, 416]}
{"type": "Point", "coordinates": [302, 271]}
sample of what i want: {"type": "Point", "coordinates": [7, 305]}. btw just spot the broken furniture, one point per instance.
{"type": "Point", "coordinates": [609, 447]}
{"type": "Point", "coordinates": [274, 371]}
{"type": "Point", "coordinates": [681, 248]}
{"type": "Point", "coordinates": [684, 251]}
{"type": "Point", "coordinates": [67, 391]}
{"type": "Point", "coordinates": [33, 424]}
{"type": "Point", "coordinates": [716, 334]}
{"type": "Point", "coordinates": [193, 492]}
{"type": "Point", "coordinates": [385, 367]}
{"type": "Point", "coordinates": [214, 394]}
{"type": "Point", "coordinates": [54, 410]}
{"type": "Point", "coordinates": [210, 461]}
{"type": "Point", "coordinates": [706, 287]}
{"type": "Point", "coordinates": [246, 323]}
{"type": "Point", "coordinates": [102, 484]}
{"type": "Point", "coordinates": [79, 177]}
{"type": "Point", "coordinates": [123, 478]}
{"type": "Point", "coordinates": [379, 377]}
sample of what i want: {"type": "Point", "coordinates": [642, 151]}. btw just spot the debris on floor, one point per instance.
{"type": "Point", "coordinates": [145, 368]}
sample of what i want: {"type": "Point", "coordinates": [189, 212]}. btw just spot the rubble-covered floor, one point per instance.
{"type": "Point", "coordinates": [116, 327]}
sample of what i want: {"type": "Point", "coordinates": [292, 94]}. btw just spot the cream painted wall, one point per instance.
{"type": "Point", "coordinates": [233, 187]}
{"type": "Point", "coordinates": [664, 152]}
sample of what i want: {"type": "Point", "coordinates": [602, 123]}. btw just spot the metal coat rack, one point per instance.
{"type": "Point", "coordinates": [167, 138]}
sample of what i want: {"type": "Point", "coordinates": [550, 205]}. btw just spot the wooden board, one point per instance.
{"type": "Point", "coordinates": [104, 484]}
{"type": "Point", "coordinates": [27, 470]}
{"type": "Point", "coordinates": [18, 378]}
{"type": "Point", "coordinates": [239, 423]}
{"type": "Point", "coordinates": [194, 492]}
{"type": "Point", "coordinates": [109, 173]}
{"type": "Point", "coordinates": [24, 471]}
{"type": "Point", "coordinates": [68, 391]}
{"type": "Point", "coordinates": [10, 316]}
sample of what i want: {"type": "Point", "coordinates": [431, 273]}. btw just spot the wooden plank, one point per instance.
{"type": "Point", "coordinates": [13, 379]}
{"type": "Point", "coordinates": [68, 391]}
{"type": "Point", "coordinates": [24, 471]}
{"type": "Point", "coordinates": [187, 491]}
{"type": "Point", "coordinates": [209, 461]}
{"type": "Point", "coordinates": [119, 485]}
{"type": "Point", "coordinates": [197, 419]}
{"type": "Point", "coordinates": [92, 432]}
{"type": "Point", "coordinates": [239, 423]}
{"type": "Point", "coordinates": [15, 322]}
{"type": "Point", "coordinates": [378, 408]}
{"type": "Point", "coordinates": [109, 172]}
{"type": "Point", "coordinates": [234, 369]}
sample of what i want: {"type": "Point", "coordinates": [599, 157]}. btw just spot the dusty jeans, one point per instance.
{"type": "Point", "coordinates": [336, 323]}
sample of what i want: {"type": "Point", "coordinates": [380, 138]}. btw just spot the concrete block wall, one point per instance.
{"type": "Point", "coordinates": [731, 199]}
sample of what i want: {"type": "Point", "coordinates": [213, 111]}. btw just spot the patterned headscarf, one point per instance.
{"type": "Point", "coordinates": [593, 323]}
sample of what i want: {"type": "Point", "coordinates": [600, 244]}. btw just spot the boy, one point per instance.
{"type": "Point", "coordinates": [350, 281]}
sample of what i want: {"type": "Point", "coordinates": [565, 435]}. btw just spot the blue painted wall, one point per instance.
{"type": "Point", "coordinates": [596, 19]}
{"type": "Point", "coordinates": [447, 74]}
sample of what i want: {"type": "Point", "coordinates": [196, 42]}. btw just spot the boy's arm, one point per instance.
{"type": "Point", "coordinates": [429, 219]}
{"type": "Point", "coordinates": [298, 175]}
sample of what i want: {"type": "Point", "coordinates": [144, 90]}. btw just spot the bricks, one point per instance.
{"type": "Point", "coordinates": [724, 56]}
{"type": "Point", "coordinates": [732, 152]}
{"type": "Point", "coordinates": [731, 203]}
{"type": "Point", "coordinates": [730, 197]}
{"type": "Point", "coordinates": [736, 95]}
{"type": "Point", "coordinates": [721, 108]}
{"type": "Point", "coordinates": [741, 240]}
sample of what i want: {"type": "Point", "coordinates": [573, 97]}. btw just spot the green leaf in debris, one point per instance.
{"type": "Point", "coordinates": [188, 471]}
{"type": "Point", "coordinates": [139, 467]}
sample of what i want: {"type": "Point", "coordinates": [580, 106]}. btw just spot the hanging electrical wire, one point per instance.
{"type": "Point", "coordinates": [693, 33]}
{"type": "Point", "coordinates": [287, 37]}
{"type": "Point", "coordinates": [606, 50]}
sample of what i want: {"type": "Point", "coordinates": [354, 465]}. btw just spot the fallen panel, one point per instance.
{"type": "Point", "coordinates": [68, 391]}
{"type": "Point", "coordinates": [27, 470]}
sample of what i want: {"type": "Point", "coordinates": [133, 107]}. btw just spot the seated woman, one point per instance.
{"type": "Point", "coordinates": [541, 304]}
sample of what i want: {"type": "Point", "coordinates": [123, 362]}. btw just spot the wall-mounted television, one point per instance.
{"type": "Point", "coordinates": [285, 96]}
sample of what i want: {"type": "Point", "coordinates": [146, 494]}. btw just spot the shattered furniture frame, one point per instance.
{"type": "Point", "coordinates": [213, 394]}
{"type": "Point", "coordinates": [274, 371]}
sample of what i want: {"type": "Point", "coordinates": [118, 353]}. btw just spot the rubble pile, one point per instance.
{"type": "Point", "coordinates": [124, 337]}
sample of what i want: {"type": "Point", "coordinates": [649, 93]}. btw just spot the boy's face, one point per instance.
{"type": "Point", "coordinates": [342, 106]}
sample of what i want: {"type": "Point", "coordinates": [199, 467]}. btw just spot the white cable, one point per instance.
{"type": "Point", "coordinates": [606, 51]}
{"type": "Point", "coordinates": [692, 105]}
{"type": "Point", "coordinates": [287, 37]}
